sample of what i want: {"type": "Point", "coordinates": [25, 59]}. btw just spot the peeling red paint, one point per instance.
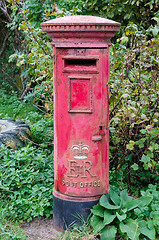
{"type": "Point", "coordinates": [81, 72]}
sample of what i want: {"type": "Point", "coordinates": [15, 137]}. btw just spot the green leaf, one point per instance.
{"type": "Point", "coordinates": [104, 202]}
{"type": "Point", "coordinates": [150, 224]}
{"type": "Point", "coordinates": [143, 131]}
{"type": "Point", "coordinates": [145, 201]}
{"type": "Point", "coordinates": [155, 30]}
{"type": "Point", "coordinates": [155, 217]}
{"type": "Point", "coordinates": [124, 197]}
{"type": "Point", "coordinates": [130, 228]}
{"type": "Point", "coordinates": [132, 204]}
{"type": "Point", "coordinates": [145, 159]}
{"type": "Point", "coordinates": [135, 167]}
{"type": "Point", "coordinates": [108, 233]}
{"type": "Point", "coordinates": [123, 40]}
{"type": "Point", "coordinates": [114, 197]}
{"type": "Point", "coordinates": [130, 145]}
{"type": "Point", "coordinates": [150, 233]}
{"type": "Point", "coordinates": [121, 217]}
{"type": "Point", "coordinates": [98, 210]}
{"type": "Point", "coordinates": [108, 217]}
{"type": "Point", "coordinates": [97, 223]}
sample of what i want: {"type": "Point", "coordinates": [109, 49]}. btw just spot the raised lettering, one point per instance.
{"type": "Point", "coordinates": [87, 168]}
{"type": "Point", "coordinates": [81, 184]}
{"type": "Point", "coordinates": [95, 183]}
{"type": "Point", "coordinates": [72, 169]}
{"type": "Point", "coordinates": [84, 169]}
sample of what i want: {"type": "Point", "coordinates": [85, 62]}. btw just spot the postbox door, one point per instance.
{"type": "Point", "coordinates": [81, 121]}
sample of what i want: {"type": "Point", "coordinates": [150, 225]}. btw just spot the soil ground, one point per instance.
{"type": "Point", "coordinates": [40, 230]}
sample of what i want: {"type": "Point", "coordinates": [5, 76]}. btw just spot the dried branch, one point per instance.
{"type": "Point", "coordinates": [4, 43]}
{"type": "Point", "coordinates": [4, 9]}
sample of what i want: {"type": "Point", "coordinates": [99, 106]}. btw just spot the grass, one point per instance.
{"type": "Point", "coordinates": [9, 230]}
{"type": "Point", "coordinates": [79, 233]}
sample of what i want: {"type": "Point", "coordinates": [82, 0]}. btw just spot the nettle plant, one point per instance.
{"type": "Point", "coordinates": [119, 215]}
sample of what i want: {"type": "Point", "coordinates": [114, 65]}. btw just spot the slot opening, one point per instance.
{"type": "Point", "coordinates": [79, 63]}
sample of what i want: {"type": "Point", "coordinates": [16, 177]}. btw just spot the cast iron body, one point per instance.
{"type": "Point", "coordinates": [81, 113]}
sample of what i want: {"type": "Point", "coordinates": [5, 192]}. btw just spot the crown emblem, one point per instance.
{"type": "Point", "coordinates": [80, 151]}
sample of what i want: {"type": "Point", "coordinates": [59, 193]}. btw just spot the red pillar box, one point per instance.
{"type": "Point", "coordinates": [81, 113]}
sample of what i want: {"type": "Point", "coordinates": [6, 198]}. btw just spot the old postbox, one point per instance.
{"type": "Point", "coordinates": [81, 113]}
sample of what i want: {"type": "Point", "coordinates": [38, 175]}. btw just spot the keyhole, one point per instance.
{"type": "Point", "coordinates": [100, 128]}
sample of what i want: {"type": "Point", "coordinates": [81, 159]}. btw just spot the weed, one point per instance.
{"type": "Point", "coordinates": [26, 182]}
{"type": "Point", "coordinates": [8, 230]}
{"type": "Point", "coordinates": [84, 232]}
{"type": "Point", "coordinates": [119, 214]}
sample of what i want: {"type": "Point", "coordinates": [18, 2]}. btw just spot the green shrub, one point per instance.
{"type": "Point", "coordinates": [134, 98]}
{"type": "Point", "coordinates": [121, 215]}
{"type": "Point", "coordinates": [26, 182]}
{"type": "Point", "coordinates": [9, 231]}
{"type": "Point", "coordinates": [41, 125]}
{"type": "Point", "coordinates": [12, 107]}
{"type": "Point", "coordinates": [122, 11]}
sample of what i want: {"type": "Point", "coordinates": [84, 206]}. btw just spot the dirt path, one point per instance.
{"type": "Point", "coordinates": [40, 230]}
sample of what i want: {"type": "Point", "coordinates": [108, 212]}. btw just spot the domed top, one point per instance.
{"type": "Point", "coordinates": [80, 30]}
{"type": "Point", "coordinates": [81, 19]}
{"type": "Point", "coordinates": [80, 23]}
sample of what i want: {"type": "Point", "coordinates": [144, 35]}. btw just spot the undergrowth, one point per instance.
{"type": "Point", "coordinates": [41, 124]}
{"type": "Point", "coordinates": [119, 215]}
{"type": "Point", "coordinates": [84, 232]}
{"type": "Point", "coordinates": [26, 174]}
{"type": "Point", "coordinates": [9, 230]}
{"type": "Point", "coordinates": [26, 182]}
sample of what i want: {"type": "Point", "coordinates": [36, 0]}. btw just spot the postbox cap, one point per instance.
{"type": "Point", "coordinates": [80, 22]}
{"type": "Point", "coordinates": [80, 31]}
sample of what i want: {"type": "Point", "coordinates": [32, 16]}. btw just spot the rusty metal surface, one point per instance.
{"type": "Point", "coordinates": [81, 118]}
{"type": "Point", "coordinates": [80, 30]}
{"type": "Point", "coordinates": [81, 110]}
{"type": "Point", "coordinates": [80, 22]}
{"type": "Point", "coordinates": [81, 19]}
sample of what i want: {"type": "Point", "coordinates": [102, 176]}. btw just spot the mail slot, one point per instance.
{"type": "Point", "coordinates": [81, 114]}
{"type": "Point", "coordinates": [80, 63]}
{"type": "Point", "coordinates": [73, 64]}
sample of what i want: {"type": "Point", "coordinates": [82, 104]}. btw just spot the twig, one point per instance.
{"type": "Point", "coordinates": [37, 144]}
{"type": "Point", "coordinates": [4, 43]}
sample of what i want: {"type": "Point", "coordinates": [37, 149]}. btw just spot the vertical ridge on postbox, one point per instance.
{"type": "Point", "coordinates": [81, 111]}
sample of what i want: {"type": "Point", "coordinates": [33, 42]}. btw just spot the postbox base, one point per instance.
{"type": "Point", "coordinates": [67, 212]}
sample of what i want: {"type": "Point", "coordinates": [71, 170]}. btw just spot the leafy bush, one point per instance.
{"type": "Point", "coordinates": [121, 215]}
{"type": "Point", "coordinates": [41, 125]}
{"type": "Point", "coordinates": [134, 108]}
{"type": "Point", "coordinates": [26, 182]}
{"type": "Point", "coordinates": [9, 230]}
{"type": "Point", "coordinates": [26, 175]}
{"type": "Point", "coordinates": [42, 129]}
{"type": "Point", "coordinates": [12, 107]}
{"type": "Point", "coordinates": [35, 65]}
{"type": "Point", "coordinates": [30, 58]}
{"type": "Point", "coordinates": [123, 11]}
